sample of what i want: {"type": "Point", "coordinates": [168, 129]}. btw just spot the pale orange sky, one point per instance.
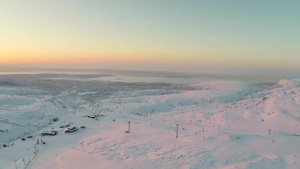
{"type": "Point", "coordinates": [204, 34]}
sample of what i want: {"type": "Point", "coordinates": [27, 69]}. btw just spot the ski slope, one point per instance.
{"type": "Point", "coordinates": [221, 124]}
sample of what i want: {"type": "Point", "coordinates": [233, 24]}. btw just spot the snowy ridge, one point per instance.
{"type": "Point", "coordinates": [288, 83]}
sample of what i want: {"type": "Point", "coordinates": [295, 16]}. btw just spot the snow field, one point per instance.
{"type": "Point", "coordinates": [221, 125]}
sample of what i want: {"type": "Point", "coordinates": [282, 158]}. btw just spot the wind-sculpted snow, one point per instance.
{"type": "Point", "coordinates": [228, 124]}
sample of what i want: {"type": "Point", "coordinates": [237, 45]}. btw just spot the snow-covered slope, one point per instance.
{"type": "Point", "coordinates": [224, 124]}
{"type": "Point", "coordinates": [288, 83]}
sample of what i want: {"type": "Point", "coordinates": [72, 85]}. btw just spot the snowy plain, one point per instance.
{"type": "Point", "coordinates": [221, 123]}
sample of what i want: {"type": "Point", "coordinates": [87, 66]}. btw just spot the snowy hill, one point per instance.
{"type": "Point", "coordinates": [288, 83]}
{"type": "Point", "coordinates": [221, 124]}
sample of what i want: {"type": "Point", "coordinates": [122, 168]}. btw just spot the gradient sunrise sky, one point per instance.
{"type": "Point", "coordinates": [219, 34]}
